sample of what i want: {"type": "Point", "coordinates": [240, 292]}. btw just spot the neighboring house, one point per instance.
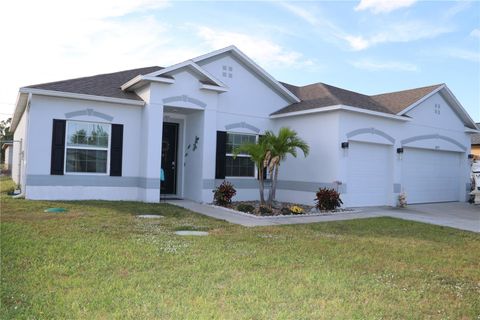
{"type": "Point", "coordinates": [108, 136]}
{"type": "Point", "coordinates": [476, 144]}
{"type": "Point", "coordinates": [7, 161]}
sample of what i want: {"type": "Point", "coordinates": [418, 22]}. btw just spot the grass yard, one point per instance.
{"type": "Point", "coordinates": [100, 262]}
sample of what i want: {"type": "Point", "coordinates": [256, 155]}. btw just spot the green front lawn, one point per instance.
{"type": "Point", "coordinates": [99, 261]}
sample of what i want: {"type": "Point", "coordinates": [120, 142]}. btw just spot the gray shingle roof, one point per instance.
{"type": "Point", "coordinates": [106, 85]}
{"type": "Point", "coordinates": [399, 100]}
{"type": "Point", "coordinates": [320, 95]}
{"type": "Point", "coordinates": [312, 96]}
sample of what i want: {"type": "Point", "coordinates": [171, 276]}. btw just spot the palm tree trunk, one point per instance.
{"type": "Point", "coordinates": [261, 187]}
{"type": "Point", "coordinates": [273, 186]}
{"type": "Point", "coordinates": [275, 182]}
{"type": "Point", "coordinates": [270, 194]}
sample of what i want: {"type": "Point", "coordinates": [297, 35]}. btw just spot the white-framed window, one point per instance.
{"type": "Point", "coordinates": [87, 147]}
{"type": "Point", "coordinates": [242, 165]}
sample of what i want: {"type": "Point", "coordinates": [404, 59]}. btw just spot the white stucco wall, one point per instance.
{"type": "Point", "coordinates": [42, 112]}
{"type": "Point", "coordinates": [194, 160]}
{"type": "Point", "coordinates": [244, 108]}
{"type": "Point", "coordinates": [18, 159]}
{"type": "Point", "coordinates": [247, 95]}
{"type": "Point", "coordinates": [300, 177]}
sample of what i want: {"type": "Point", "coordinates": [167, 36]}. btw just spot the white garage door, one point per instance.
{"type": "Point", "coordinates": [369, 174]}
{"type": "Point", "coordinates": [431, 176]}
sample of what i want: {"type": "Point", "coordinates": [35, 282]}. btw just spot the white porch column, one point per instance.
{"type": "Point", "coordinates": [209, 150]}
{"type": "Point", "coordinates": [152, 127]}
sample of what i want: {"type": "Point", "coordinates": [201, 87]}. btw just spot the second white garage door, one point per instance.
{"type": "Point", "coordinates": [369, 174]}
{"type": "Point", "coordinates": [430, 175]}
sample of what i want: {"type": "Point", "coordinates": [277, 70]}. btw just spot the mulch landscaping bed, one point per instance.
{"type": "Point", "coordinates": [280, 209]}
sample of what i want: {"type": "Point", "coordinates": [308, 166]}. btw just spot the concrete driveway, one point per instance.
{"type": "Point", "coordinates": [459, 215]}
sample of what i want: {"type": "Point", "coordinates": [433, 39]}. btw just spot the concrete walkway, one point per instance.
{"type": "Point", "coordinates": [457, 215]}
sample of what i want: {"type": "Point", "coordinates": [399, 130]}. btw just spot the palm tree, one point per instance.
{"type": "Point", "coordinates": [257, 152]}
{"type": "Point", "coordinates": [278, 147]}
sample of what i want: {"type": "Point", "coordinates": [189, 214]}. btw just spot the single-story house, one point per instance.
{"type": "Point", "coordinates": [110, 136]}
{"type": "Point", "coordinates": [476, 144]}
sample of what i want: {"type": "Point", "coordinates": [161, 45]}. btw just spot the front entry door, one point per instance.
{"type": "Point", "coordinates": [169, 158]}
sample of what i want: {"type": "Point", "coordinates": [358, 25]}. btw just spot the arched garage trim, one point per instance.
{"type": "Point", "coordinates": [433, 136]}
{"type": "Point", "coordinates": [374, 131]}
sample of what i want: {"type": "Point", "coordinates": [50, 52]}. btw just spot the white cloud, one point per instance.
{"type": "Point", "coordinates": [401, 32]}
{"type": "Point", "coordinates": [263, 51]}
{"type": "Point", "coordinates": [52, 40]}
{"type": "Point", "coordinates": [384, 65]}
{"type": "Point", "coordinates": [475, 33]}
{"type": "Point", "coordinates": [305, 14]}
{"type": "Point", "coordinates": [463, 54]}
{"type": "Point", "coordinates": [383, 6]}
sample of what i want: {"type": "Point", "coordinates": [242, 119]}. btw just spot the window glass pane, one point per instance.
{"type": "Point", "coordinates": [81, 160]}
{"type": "Point", "coordinates": [239, 167]}
{"type": "Point", "coordinates": [87, 134]}
{"type": "Point", "coordinates": [234, 140]}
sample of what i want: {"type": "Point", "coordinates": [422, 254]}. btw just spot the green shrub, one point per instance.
{"type": "Point", "coordinates": [327, 199]}
{"type": "Point", "coordinates": [223, 194]}
{"type": "Point", "coordinates": [285, 211]}
{"type": "Point", "coordinates": [245, 207]}
{"type": "Point", "coordinates": [264, 210]}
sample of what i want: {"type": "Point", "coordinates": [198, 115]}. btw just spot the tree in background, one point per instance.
{"type": "Point", "coordinates": [5, 135]}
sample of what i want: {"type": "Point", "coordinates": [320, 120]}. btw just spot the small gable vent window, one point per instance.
{"type": "Point", "coordinates": [227, 71]}
{"type": "Point", "coordinates": [437, 108]}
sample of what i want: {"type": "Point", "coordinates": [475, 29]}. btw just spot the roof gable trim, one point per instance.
{"type": "Point", "coordinates": [340, 107]}
{"type": "Point", "coordinates": [259, 70]}
{"type": "Point", "coordinates": [416, 103]}
{"type": "Point", "coordinates": [186, 64]}
{"type": "Point", "coordinates": [453, 103]}
{"type": "Point", "coordinates": [81, 96]}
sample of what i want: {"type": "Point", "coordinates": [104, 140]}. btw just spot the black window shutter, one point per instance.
{"type": "Point", "coordinates": [116, 150]}
{"type": "Point", "coordinates": [220, 161]}
{"type": "Point", "coordinates": [58, 147]}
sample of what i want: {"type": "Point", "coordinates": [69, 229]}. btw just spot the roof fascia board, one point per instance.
{"type": "Point", "coordinates": [341, 107]}
{"type": "Point", "coordinates": [416, 103]}
{"type": "Point", "coordinates": [460, 108]}
{"type": "Point", "coordinates": [188, 63]}
{"type": "Point", "coordinates": [470, 130]}
{"type": "Point", "coordinates": [264, 74]}
{"type": "Point", "coordinates": [140, 79]}
{"type": "Point", "coordinates": [81, 96]}
{"type": "Point", "coordinates": [20, 106]}
{"type": "Point", "coordinates": [213, 88]}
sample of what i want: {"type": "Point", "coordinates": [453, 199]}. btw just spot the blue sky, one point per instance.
{"type": "Point", "coordinates": [368, 46]}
